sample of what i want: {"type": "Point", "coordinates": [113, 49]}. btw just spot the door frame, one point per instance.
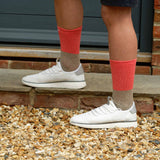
{"type": "Point", "coordinates": [146, 25]}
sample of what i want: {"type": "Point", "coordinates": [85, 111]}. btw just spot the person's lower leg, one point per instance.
{"type": "Point", "coordinates": [69, 18]}
{"type": "Point", "coordinates": [123, 52]}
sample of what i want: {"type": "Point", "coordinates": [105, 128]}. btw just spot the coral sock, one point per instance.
{"type": "Point", "coordinates": [123, 74]}
{"type": "Point", "coordinates": [123, 79]}
{"type": "Point", "coordinates": [70, 39]}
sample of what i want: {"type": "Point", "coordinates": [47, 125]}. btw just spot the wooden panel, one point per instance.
{"type": "Point", "coordinates": [46, 22]}
{"type": "Point", "coordinates": [13, 21]}
{"type": "Point", "coordinates": [92, 8]}
{"type": "Point", "coordinates": [43, 29]}
{"type": "Point", "coordinates": [31, 7]}
{"type": "Point", "coordinates": [33, 21]}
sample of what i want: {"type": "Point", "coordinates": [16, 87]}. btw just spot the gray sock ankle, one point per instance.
{"type": "Point", "coordinates": [123, 99]}
{"type": "Point", "coordinates": [69, 62]}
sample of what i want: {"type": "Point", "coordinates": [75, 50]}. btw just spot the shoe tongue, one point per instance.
{"type": "Point", "coordinates": [59, 64]}
{"type": "Point", "coordinates": [113, 107]}
{"type": "Point", "coordinates": [53, 68]}
{"type": "Point", "coordinates": [111, 103]}
{"type": "Point", "coordinates": [106, 108]}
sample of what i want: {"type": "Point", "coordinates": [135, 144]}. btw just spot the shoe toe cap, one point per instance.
{"type": "Point", "coordinates": [81, 118]}
{"type": "Point", "coordinates": [27, 79]}
{"type": "Point", "coordinates": [76, 119]}
{"type": "Point", "coordinates": [73, 119]}
{"type": "Point", "coordinates": [31, 79]}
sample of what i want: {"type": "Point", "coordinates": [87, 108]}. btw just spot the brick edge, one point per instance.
{"type": "Point", "coordinates": [71, 101]}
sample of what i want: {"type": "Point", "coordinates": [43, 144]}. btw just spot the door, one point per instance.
{"type": "Point", "coordinates": [33, 22]}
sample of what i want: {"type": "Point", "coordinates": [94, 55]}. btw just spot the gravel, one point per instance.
{"type": "Point", "coordinates": [43, 134]}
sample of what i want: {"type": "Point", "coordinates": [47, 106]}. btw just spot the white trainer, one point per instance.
{"type": "Point", "coordinates": [56, 77]}
{"type": "Point", "coordinates": [107, 116]}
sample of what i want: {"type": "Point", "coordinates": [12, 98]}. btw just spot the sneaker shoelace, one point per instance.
{"type": "Point", "coordinates": [106, 108]}
{"type": "Point", "coordinates": [56, 68]}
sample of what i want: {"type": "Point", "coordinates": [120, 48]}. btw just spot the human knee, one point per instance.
{"type": "Point", "coordinates": [105, 14]}
{"type": "Point", "coordinates": [112, 15]}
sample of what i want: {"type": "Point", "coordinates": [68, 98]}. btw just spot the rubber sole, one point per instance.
{"type": "Point", "coordinates": [64, 85]}
{"type": "Point", "coordinates": [107, 125]}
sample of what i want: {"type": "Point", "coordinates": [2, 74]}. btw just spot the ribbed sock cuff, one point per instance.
{"type": "Point", "coordinates": [70, 39]}
{"type": "Point", "coordinates": [123, 74]}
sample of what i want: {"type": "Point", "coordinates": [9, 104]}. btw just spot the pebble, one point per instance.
{"type": "Point", "coordinates": [155, 141]}
{"type": "Point", "coordinates": [5, 156]}
{"type": "Point", "coordinates": [78, 154]}
{"type": "Point", "coordinates": [51, 137]}
{"type": "Point", "coordinates": [78, 144]}
{"type": "Point", "coordinates": [130, 150]}
{"type": "Point", "coordinates": [43, 134]}
{"type": "Point", "coordinates": [138, 156]}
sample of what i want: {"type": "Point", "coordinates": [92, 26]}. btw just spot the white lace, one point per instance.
{"type": "Point", "coordinates": [56, 68]}
{"type": "Point", "coordinates": [106, 108]}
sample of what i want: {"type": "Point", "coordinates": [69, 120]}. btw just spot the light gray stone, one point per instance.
{"type": "Point", "coordinates": [97, 84]}
{"type": "Point", "coordinates": [10, 80]}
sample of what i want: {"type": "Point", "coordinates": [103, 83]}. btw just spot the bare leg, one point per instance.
{"type": "Point", "coordinates": [122, 44]}
{"type": "Point", "coordinates": [69, 17]}
{"type": "Point", "coordinates": [122, 37]}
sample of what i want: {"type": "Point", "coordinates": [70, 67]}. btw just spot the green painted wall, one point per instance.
{"type": "Point", "coordinates": [33, 21]}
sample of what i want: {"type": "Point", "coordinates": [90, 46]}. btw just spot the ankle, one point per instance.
{"type": "Point", "coordinates": [69, 62]}
{"type": "Point", "coordinates": [69, 67]}
{"type": "Point", "coordinates": [124, 106]}
{"type": "Point", "coordinates": [123, 99]}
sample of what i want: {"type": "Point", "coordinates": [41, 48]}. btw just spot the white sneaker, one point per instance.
{"type": "Point", "coordinates": [56, 77]}
{"type": "Point", "coordinates": [107, 116]}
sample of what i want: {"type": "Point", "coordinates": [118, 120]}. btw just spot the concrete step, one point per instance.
{"type": "Point", "coordinates": [99, 86]}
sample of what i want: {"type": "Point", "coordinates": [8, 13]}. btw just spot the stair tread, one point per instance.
{"type": "Point", "coordinates": [97, 83]}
